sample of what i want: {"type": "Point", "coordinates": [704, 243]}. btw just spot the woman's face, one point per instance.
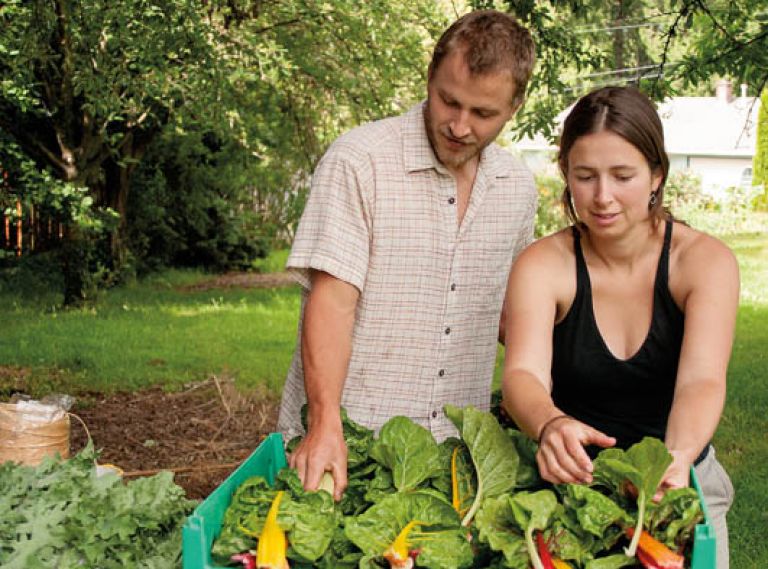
{"type": "Point", "coordinates": [610, 181]}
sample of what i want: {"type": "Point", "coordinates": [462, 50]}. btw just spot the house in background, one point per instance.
{"type": "Point", "coordinates": [713, 137]}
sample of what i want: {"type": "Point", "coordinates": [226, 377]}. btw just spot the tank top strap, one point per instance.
{"type": "Point", "coordinates": [662, 272]}
{"type": "Point", "coordinates": [581, 264]}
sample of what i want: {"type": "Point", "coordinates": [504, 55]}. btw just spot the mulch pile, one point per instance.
{"type": "Point", "coordinates": [242, 280]}
{"type": "Point", "coordinates": [201, 433]}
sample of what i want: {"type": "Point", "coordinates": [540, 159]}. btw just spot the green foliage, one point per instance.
{"type": "Point", "coordinates": [493, 453]}
{"type": "Point", "coordinates": [183, 208]}
{"type": "Point", "coordinates": [436, 533]}
{"type": "Point", "coordinates": [86, 86]}
{"type": "Point", "coordinates": [732, 213]}
{"type": "Point", "coordinates": [418, 517]}
{"type": "Point", "coordinates": [549, 215]}
{"type": "Point", "coordinates": [62, 514]}
{"type": "Point", "coordinates": [760, 162]}
{"type": "Point", "coordinates": [409, 451]}
{"type": "Point", "coordinates": [643, 465]}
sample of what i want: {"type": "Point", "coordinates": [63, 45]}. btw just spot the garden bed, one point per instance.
{"type": "Point", "coordinates": [200, 433]}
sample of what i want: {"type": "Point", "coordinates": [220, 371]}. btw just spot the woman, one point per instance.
{"type": "Point", "coordinates": [621, 326]}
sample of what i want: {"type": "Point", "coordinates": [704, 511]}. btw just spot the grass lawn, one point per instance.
{"type": "Point", "coordinates": [154, 333]}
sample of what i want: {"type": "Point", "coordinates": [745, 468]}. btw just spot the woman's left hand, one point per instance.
{"type": "Point", "coordinates": [677, 475]}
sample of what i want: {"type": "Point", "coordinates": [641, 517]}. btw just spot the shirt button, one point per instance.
{"type": "Point", "coordinates": [451, 201]}
{"type": "Point", "coordinates": [434, 414]}
{"type": "Point", "coordinates": [448, 330]}
{"type": "Point", "coordinates": [453, 286]}
{"type": "Point", "coordinates": [441, 373]}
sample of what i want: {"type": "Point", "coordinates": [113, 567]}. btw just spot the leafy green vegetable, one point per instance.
{"type": "Point", "coordinates": [61, 514]}
{"type": "Point", "coordinates": [494, 454]}
{"type": "Point", "coordinates": [410, 502]}
{"type": "Point", "coordinates": [408, 450]}
{"type": "Point", "coordinates": [610, 562]}
{"type": "Point", "coordinates": [309, 518]}
{"type": "Point", "coordinates": [432, 528]}
{"type": "Point", "coordinates": [533, 511]}
{"type": "Point", "coordinates": [643, 465]}
{"type": "Point", "coordinates": [673, 520]}
{"type": "Point", "coordinates": [595, 512]}
{"type": "Point", "coordinates": [498, 528]}
{"type": "Point", "coordinates": [527, 468]}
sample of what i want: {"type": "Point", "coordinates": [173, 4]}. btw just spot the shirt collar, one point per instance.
{"type": "Point", "coordinates": [418, 153]}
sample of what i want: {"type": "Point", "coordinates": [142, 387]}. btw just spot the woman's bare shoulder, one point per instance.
{"type": "Point", "coordinates": [552, 249]}
{"type": "Point", "coordinates": [695, 250]}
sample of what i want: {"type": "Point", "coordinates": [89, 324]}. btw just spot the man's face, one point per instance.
{"type": "Point", "coordinates": [465, 113]}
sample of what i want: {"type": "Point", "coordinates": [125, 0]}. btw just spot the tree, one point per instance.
{"type": "Point", "coordinates": [760, 169]}
{"type": "Point", "coordinates": [87, 85]}
{"type": "Point", "coordinates": [678, 46]}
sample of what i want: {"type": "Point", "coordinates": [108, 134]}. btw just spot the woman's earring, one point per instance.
{"type": "Point", "coordinates": [652, 200]}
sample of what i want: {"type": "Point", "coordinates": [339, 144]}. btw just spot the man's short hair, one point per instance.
{"type": "Point", "coordinates": [492, 41]}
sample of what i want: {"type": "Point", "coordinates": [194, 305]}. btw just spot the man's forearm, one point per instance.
{"type": "Point", "coordinates": [326, 346]}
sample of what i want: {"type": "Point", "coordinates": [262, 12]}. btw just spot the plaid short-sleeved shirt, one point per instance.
{"type": "Point", "coordinates": [382, 216]}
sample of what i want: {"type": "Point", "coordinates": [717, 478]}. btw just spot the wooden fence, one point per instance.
{"type": "Point", "coordinates": [25, 231]}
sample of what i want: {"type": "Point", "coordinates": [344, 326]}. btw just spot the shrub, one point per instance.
{"type": "Point", "coordinates": [549, 215]}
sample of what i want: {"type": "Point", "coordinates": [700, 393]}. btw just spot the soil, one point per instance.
{"type": "Point", "coordinates": [243, 280]}
{"type": "Point", "coordinates": [201, 433]}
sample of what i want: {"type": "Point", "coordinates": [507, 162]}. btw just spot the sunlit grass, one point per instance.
{"type": "Point", "coordinates": [154, 333]}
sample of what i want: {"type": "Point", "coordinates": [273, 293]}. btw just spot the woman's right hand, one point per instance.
{"type": "Point", "coordinates": [561, 456]}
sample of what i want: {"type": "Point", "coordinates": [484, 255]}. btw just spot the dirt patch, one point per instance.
{"type": "Point", "coordinates": [201, 433]}
{"type": "Point", "coordinates": [242, 280]}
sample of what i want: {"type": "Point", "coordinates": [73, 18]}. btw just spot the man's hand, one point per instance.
{"type": "Point", "coordinates": [561, 456]}
{"type": "Point", "coordinates": [326, 347]}
{"type": "Point", "coordinates": [322, 450]}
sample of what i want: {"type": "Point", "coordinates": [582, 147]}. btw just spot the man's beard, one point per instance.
{"type": "Point", "coordinates": [446, 157]}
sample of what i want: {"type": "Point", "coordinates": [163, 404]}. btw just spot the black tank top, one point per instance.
{"type": "Point", "coordinates": [626, 399]}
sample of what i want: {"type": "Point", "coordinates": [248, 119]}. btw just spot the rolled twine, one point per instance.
{"type": "Point", "coordinates": [28, 441]}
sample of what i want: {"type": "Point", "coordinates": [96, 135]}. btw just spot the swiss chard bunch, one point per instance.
{"type": "Point", "coordinates": [471, 501]}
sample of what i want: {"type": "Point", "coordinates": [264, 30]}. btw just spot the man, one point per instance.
{"type": "Point", "coordinates": [404, 251]}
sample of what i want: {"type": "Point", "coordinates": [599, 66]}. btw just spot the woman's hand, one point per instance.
{"type": "Point", "coordinates": [677, 475]}
{"type": "Point", "coordinates": [561, 456]}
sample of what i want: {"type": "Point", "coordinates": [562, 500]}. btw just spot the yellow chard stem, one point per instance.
{"type": "Point", "coordinates": [398, 552]}
{"type": "Point", "coordinates": [456, 499]}
{"type": "Point", "coordinates": [270, 552]}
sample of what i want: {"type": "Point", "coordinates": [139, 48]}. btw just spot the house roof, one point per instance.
{"type": "Point", "coordinates": [693, 126]}
{"type": "Point", "coordinates": [708, 126]}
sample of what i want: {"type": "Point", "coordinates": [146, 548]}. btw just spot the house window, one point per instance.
{"type": "Point", "coordinates": [746, 178]}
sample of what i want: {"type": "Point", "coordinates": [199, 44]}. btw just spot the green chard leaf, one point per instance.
{"type": "Point", "coordinates": [527, 468]}
{"type": "Point", "coordinates": [408, 450]}
{"type": "Point", "coordinates": [594, 511]}
{"type": "Point", "coordinates": [610, 562]}
{"type": "Point", "coordinates": [533, 511]}
{"type": "Point", "coordinates": [498, 528]}
{"type": "Point", "coordinates": [673, 520]}
{"type": "Point", "coordinates": [493, 453]}
{"type": "Point", "coordinates": [643, 465]}
{"type": "Point", "coordinates": [432, 528]}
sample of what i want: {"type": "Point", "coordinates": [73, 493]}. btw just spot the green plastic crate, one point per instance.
{"type": "Point", "coordinates": [205, 522]}
{"type": "Point", "coordinates": [704, 548]}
